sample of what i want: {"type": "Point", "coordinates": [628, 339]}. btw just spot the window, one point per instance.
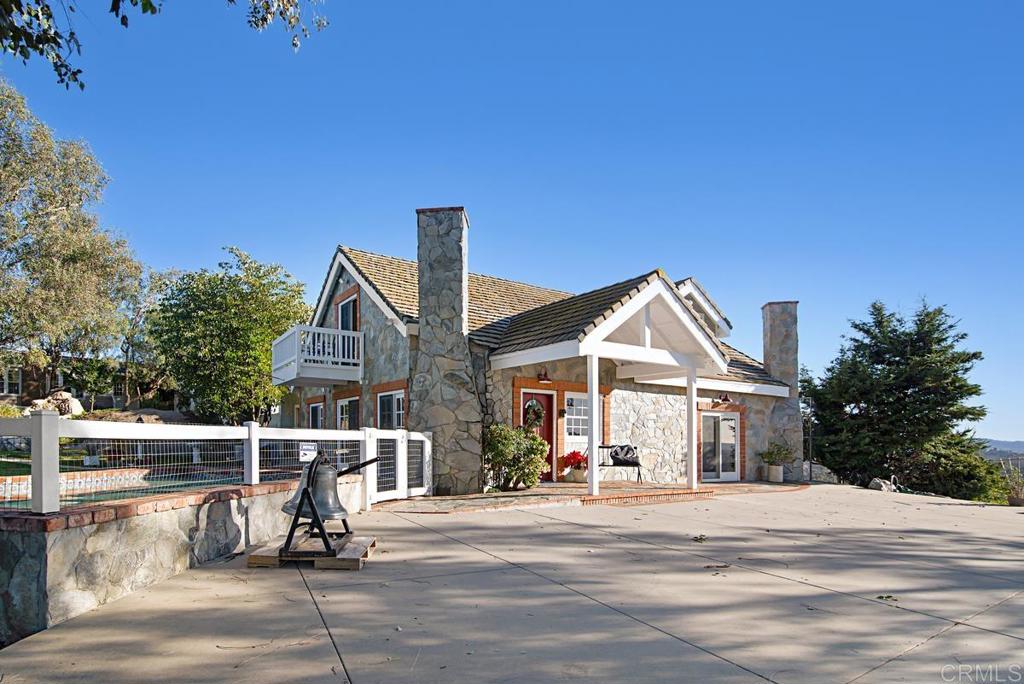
{"type": "Point", "coordinates": [348, 414]}
{"type": "Point", "coordinates": [391, 410]}
{"type": "Point", "coordinates": [11, 381]}
{"type": "Point", "coordinates": [316, 416]}
{"type": "Point", "coordinates": [347, 314]}
{"type": "Point", "coordinates": [577, 423]}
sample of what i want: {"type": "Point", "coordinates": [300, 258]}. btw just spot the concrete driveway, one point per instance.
{"type": "Point", "coordinates": [827, 584]}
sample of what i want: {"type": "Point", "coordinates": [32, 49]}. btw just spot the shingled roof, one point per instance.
{"type": "Point", "coordinates": [508, 315]}
{"type": "Point", "coordinates": [492, 301]}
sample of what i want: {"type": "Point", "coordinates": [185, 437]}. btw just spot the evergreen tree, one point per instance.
{"type": "Point", "coordinates": [895, 402]}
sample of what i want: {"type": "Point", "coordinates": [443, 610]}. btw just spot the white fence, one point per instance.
{"type": "Point", "coordinates": [75, 462]}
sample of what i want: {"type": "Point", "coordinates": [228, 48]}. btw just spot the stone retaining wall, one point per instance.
{"type": "Point", "coordinates": [54, 567]}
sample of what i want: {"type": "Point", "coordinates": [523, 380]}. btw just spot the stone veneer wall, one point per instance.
{"type": "Point", "coordinates": [781, 360]}
{"type": "Point", "coordinates": [443, 396]}
{"type": "Point", "coordinates": [385, 358]}
{"type": "Point", "coordinates": [59, 566]}
{"type": "Point", "coordinates": [650, 417]}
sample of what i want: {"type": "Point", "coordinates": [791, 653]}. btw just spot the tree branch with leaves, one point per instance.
{"type": "Point", "coordinates": [44, 29]}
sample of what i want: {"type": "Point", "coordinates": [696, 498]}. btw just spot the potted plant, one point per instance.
{"type": "Point", "coordinates": [1014, 484]}
{"type": "Point", "coordinates": [577, 464]}
{"type": "Point", "coordinates": [777, 455]}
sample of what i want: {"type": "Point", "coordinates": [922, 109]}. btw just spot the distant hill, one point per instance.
{"type": "Point", "coordinates": [998, 449]}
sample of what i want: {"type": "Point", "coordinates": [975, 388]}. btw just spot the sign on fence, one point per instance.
{"type": "Point", "coordinates": [307, 451]}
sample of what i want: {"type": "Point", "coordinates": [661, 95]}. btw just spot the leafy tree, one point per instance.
{"type": "Point", "coordinates": [91, 375]}
{"type": "Point", "coordinates": [63, 278]}
{"type": "Point", "coordinates": [215, 330]}
{"type": "Point", "coordinates": [144, 369]}
{"type": "Point", "coordinates": [894, 402]}
{"type": "Point", "coordinates": [35, 28]}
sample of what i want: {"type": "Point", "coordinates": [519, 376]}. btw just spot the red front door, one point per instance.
{"type": "Point", "coordinates": [547, 427]}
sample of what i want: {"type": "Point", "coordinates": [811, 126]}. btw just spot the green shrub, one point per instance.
{"type": "Point", "coordinates": [513, 457]}
{"type": "Point", "coordinates": [952, 465]}
{"type": "Point", "coordinates": [8, 411]}
{"type": "Point", "coordinates": [777, 453]}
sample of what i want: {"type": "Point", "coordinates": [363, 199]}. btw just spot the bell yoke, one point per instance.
{"type": "Point", "coordinates": [316, 500]}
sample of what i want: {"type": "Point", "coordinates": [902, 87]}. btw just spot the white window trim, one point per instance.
{"type": "Point", "coordinates": [337, 312]}
{"type": "Point", "coordinates": [566, 437]}
{"type": "Point", "coordinates": [400, 393]}
{"type": "Point", "coordinates": [5, 385]}
{"type": "Point", "coordinates": [739, 461]}
{"type": "Point", "coordinates": [337, 410]}
{"type": "Point", "coordinates": [309, 414]}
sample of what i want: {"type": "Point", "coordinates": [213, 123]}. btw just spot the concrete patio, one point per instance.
{"type": "Point", "coordinates": [825, 584]}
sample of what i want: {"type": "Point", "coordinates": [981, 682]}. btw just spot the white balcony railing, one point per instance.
{"type": "Point", "coordinates": [317, 356]}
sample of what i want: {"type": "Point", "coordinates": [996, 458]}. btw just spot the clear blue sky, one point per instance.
{"type": "Point", "coordinates": [831, 153]}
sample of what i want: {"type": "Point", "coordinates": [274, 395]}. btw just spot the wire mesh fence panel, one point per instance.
{"type": "Point", "coordinates": [15, 473]}
{"type": "Point", "coordinates": [387, 452]}
{"type": "Point", "coordinates": [94, 469]}
{"type": "Point", "coordinates": [279, 458]}
{"type": "Point", "coordinates": [414, 467]}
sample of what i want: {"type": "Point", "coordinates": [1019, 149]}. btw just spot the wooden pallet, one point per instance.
{"type": "Point", "coordinates": [352, 553]}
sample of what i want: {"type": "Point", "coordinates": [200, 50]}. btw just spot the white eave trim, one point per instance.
{"type": "Point", "coordinates": [549, 352]}
{"type": "Point", "coordinates": [689, 288]}
{"type": "Point", "coordinates": [735, 386]}
{"type": "Point", "coordinates": [341, 261]}
{"type": "Point", "coordinates": [670, 294]}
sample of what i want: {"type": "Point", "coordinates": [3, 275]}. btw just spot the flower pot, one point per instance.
{"type": "Point", "coordinates": [775, 473]}
{"type": "Point", "coordinates": [1015, 500]}
{"type": "Point", "coordinates": [575, 475]}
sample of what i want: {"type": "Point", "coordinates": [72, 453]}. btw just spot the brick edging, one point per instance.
{"type": "Point", "coordinates": [24, 521]}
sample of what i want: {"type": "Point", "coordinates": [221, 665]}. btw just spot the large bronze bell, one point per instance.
{"type": "Point", "coordinates": [325, 494]}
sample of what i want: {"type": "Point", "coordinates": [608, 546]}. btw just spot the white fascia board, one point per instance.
{"type": "Point", "coordinates": [340, 261]}
{"type": "Point", "coordinates": [656, 289]}
{"type": "Point", "coordinates": [688, 288]}
{"type": "Point", "coordinates": [549, 352]}
{"type": "Point", "coordinates": [726, 386]}
{"type": "Point", "coordinates": [321, 300]}
{"type": "Point", "coordinates": [632, 352]}
{"type": "Point", "coordinates": [632, 370]}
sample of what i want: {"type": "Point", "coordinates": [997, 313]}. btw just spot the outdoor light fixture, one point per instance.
{"type": "Point", "coordinates": [724, 398]}
{"type": "Point", "coordinates": [543, 378]}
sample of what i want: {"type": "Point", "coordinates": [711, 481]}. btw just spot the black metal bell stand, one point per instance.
{"type": "Point", "coordinates": [315, 526]}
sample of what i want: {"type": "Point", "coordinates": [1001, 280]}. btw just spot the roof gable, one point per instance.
{"type": "Point", "coordinates": [507, 315]}
{"type": "Point", "coordinates": [492, 301]}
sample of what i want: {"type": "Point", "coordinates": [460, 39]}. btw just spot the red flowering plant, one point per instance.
{"type": "Point", "coordinates": [575, 460]}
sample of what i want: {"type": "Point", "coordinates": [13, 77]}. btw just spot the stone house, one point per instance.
{"type": "Point", "coordinates": [429, 346]}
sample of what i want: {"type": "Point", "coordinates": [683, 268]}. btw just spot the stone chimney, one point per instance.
{"type": "Point", "coordinates": [781, 358]}
{"type": "Point", "coordinates": [782, 361]}
{"type": "Point", "coordinates": [443, 397]}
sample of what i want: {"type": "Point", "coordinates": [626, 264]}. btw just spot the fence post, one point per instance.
{"type": "Point", "coordinates": [428, 462]}
{"type": "Point", "coordinates": [251, 468]}
{"type": "Point", "coordinates": [368, 450]}
{"type": "Point", "coordinates": [45, 432]}
{"type": "Point", "coordinates": [402, 465]}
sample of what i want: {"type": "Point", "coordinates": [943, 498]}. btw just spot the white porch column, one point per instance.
{"type": "Point", "coordinates": [691, 427]}
{"type": "Point", "coordinates": [594, 421]}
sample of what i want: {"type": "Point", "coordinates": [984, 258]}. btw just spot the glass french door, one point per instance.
{"type": "Point", "coordinates": [719, 439]}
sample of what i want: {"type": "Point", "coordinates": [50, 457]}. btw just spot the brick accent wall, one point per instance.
{"type": "Point", "coordinates": [560, 387]}
{"type": "Point", "coordinates": [392, 386]}
{"type": "Point", "coordinates": [346, 294]}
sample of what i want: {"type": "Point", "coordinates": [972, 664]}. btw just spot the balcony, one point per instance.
{"type": "Point", "coordinates": [316, 357]}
